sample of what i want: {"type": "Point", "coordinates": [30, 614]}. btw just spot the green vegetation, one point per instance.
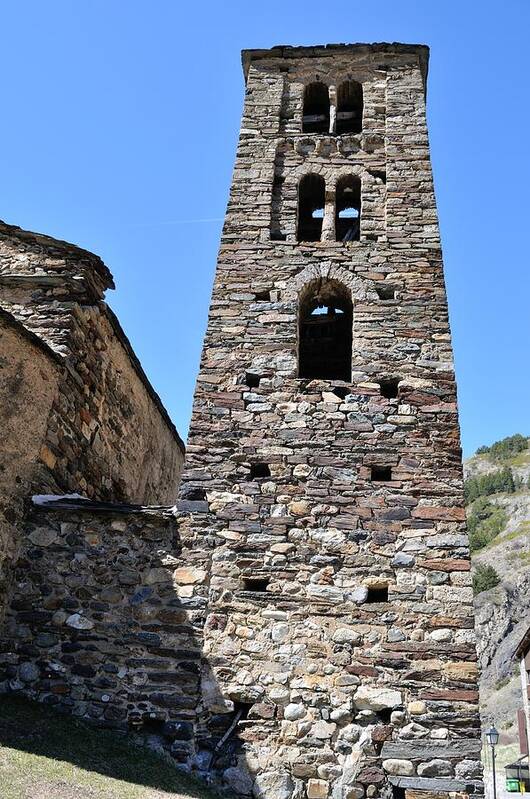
{"type": "Point", "coordinates": [523, 558]}
{"type": "Point", "coordinates": [522, 459]}
{"type": "Point", "coordinates": [506, 448]}
{"type": "Point", "coordinates": [522, 530]}
{"type": "Point", "coordinates": [485, 484]}
{"type": "Point", "coordinates": [484, 578]}
{"type": "Point", "coordinates": [484, 523]}
{"type": "Point", "coordinates": [503, 680]}
{"type": "Point", "coordinates": [44, 755]}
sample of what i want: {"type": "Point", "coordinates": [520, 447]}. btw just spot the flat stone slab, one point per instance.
{"type": "Point", "coordinates": [425, 750]}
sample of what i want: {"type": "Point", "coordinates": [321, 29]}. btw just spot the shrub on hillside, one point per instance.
{"type": "Point", "coordinates": [505, 448]}
{"type": "Point", "coordinates": [484, 523]}
{"type": "Point", "coordinates": [485, 484]}
{"type": "Point", "coordinates": [484, 578]}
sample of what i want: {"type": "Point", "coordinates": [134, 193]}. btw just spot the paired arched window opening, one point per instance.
{"type": "Point", "coordinates": [349, 107]}
{"type": "Point", "coordinates": [311, 202]}
{"type": "Point", "coordinates": [315, 117]}
{"type": "Point", "coordinates": [348, 209]}
{"type": "Point", "coordinates": [325, 331]}
{"type": "Point", "coordinates": [311, 208]}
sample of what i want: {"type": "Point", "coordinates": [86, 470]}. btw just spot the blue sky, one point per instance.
{"type": "Point", "coordinates": [119, 125]}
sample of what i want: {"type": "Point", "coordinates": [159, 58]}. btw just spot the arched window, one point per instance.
{"type": "Point", "coordinates": [348, 209]}
{"type": "Point", "coordinates": [315, 117]}
{"type": "Point", "coordinates": [349, 107]}
{"type": "Point", "coordinates": [311, 200]}
{"type": "Point", "coordinates": [325, 331]}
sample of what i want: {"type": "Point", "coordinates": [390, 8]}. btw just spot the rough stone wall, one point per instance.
{"type": "Point", "coordinates": [106, 438]}
{"type": "Point", "coordinates": [29, 376]}
{"type": "Point", "coordinates": [106, 620]}
{"type": "Point", "coordinates": [334, 690]}
{"type": "Point", "coordinates": [107, 435]}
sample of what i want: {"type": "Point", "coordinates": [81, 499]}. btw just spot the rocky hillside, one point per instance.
{"type": "Point", "coordinates": [498, 494]}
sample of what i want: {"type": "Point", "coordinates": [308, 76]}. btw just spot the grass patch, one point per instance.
{"type": "Point", "coordinates": [522, 530]}
{"type": "Point", "coordinates": [521, 459]}
{"type": "Point", "coordinates": [504, 681]}
{"type": "Point", "coordinates": [44, 755]}
{"type": "Point", "coordinates": [485, 522]}
{"type": "Point", "coordinates": [521, 557]}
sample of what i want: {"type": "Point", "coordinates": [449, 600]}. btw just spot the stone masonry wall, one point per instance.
{"type": "Point", "coordinates": [339, 636]}
{"type": "Point", "coordinates": [333, 610]}
{"type": "Point", "coordinates": [106, 620]}
{"type": "Point", "coordinates": [107, 434]}
{"type": "Point", "coordinates": [29, 376]}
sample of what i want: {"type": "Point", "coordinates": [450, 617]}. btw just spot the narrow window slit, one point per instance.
{"type": "Point", "coordinates": [349, 107]}
{"type": "Point", "coordinates": [316, 109]}
{"type": "Point", "coordinates": [259, 470]}
{"type": "Point", "coordinates": [311, 201]}
{"type": "Point", "coordinates": [275, 230]}
{"type": "Point", "coordinates": [381, 474]}
{"type": "Point", "coordinates": [378, 594]}
{"type": "Point", "coordinates": [348, 209]}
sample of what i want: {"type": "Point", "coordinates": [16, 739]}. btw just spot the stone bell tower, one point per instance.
{"type": "Point", "coordinates": [322, 492]}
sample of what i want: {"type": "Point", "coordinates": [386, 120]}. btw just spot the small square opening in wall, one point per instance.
{"type": "Point", "coordinates": [381, 474]}
{"type": "Point", "coordinates": [194, 493]}
{"type": "Point", "coordinates": [153, 725]}
{"type": "Point", "coordinates": [262, 296]}
{"type": "Point", "coordinates": [256, 584]}
{"type": "Point", "coordinates": [252, 379]}
{"type": "Point", "coordinates": [386, 292]}
{"type": "Point", "coordinates": [341, 391]}
{"type": "Point", "coordinates": [377, 594]}
{"type": "Point", "coordinates": [384, 715]}
{"type": "Point", "coordinates": [259, 470]}
{"type": "Point", "coordinates": [389, 387]}
{"type": "Point", "coordinates": [379, 174]}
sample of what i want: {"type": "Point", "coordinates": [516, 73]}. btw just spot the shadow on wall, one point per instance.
{"type": "Point", "coordinates": [106, 622]}
{"type": "Point", "coordinates": [46, 754]}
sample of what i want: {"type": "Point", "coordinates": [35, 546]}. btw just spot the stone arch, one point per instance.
{"type": "Point", "coordinates": [360, 290]}
{"type": "Point", "coordinates": [350, 101]}
{"type": "Point", "coordinates": [311, 204]}
{"type": "Point", "coordinates": [348, 194]}
{"type": "Point", "coordinates": [316, 108]}
{"type": "Point", "coordinates": [325, 331]}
